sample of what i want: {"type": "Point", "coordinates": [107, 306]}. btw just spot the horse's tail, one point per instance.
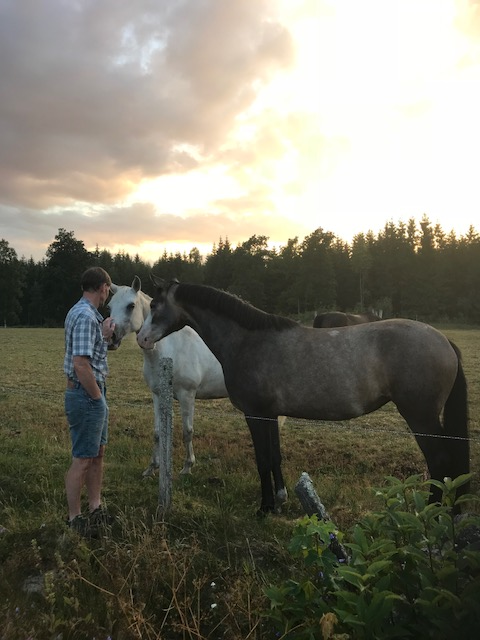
{"type": "Point", "coordinates": [455, 423]}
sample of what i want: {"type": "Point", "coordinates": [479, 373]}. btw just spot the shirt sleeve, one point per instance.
{"type": "Point", "coordinates": [83, 337]}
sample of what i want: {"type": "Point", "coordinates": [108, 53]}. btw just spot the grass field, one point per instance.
{"type": "Point", "coordinates": [200, 571]}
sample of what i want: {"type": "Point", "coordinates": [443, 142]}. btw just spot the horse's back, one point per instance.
{"type": "Point", "coordinates": [383, 339]}
{"type": "Point", "coordinates": [340, 319]}
{"type": "Point", "coordinates": [399, 356]}
{"type": "Point", "coordinates": [368, 316]}
{"type": "Point", "coordinates": [344, 372]}
{"type": "Point", "coordinates": [330, 319]}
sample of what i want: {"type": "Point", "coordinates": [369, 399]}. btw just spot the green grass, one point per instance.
{"type": "Point", "coordinates": [157, 576]}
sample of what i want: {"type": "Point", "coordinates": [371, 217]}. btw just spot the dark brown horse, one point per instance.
{"type": "Point", "coordinates": [274, 366]}
{"type": "Point", "coordinates": [341, 319]}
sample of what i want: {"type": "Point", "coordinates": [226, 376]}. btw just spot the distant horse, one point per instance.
{"type": "Point", "coordinates": [273, 365]}
{"type": "Point", "coordinates": [196, 371]}
{"type": "Point", "coordinates": [340, 319]}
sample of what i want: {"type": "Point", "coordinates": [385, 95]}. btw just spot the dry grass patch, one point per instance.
{"type": "Point", "coordinates": [150, 576]}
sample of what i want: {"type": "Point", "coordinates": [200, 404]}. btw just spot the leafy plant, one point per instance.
{"type": "Point", "coordinates": [414, 571]}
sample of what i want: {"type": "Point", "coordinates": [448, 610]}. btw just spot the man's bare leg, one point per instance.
{"type": "Point", "coordinates": [75, 478]}
{"type": "Point", "coordinates": [94, 479]}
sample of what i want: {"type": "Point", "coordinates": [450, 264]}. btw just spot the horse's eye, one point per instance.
{"type": "Point", "coordinates": [131, 306]}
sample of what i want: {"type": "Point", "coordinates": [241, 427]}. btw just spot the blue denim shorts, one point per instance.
{"type": "Point", "coordinates": [88, 421]}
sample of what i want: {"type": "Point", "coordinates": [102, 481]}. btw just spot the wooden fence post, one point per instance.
{"type": "Point", "coordinates": [309, 499]}
{"type": "Point", "coordinates": [314, 506]}
{"type": "Point", "coordinates": [165, 435]}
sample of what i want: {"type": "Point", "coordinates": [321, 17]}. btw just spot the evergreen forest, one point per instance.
{"type": "Point", "coordinates": [411, 270]}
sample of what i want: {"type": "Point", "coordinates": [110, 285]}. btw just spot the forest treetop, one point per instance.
{"type": "Point", "coordinates": [406, 270]}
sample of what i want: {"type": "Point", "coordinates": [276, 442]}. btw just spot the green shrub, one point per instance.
{"type": "Point", "coordinates": [413, 572]}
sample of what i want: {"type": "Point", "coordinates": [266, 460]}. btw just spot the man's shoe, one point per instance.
{"type": "Point", "coordinates": [83, 527]}
{"type": "Point", "coordinates": [100, 517]}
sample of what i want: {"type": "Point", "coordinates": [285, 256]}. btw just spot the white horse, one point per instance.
{"type": "Point", "coordinates": [196, 371]}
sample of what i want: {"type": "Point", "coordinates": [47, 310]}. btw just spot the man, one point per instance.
{"type": "Point", "coordinates": [86, 340]}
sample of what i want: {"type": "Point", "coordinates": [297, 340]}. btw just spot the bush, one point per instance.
{"type": "Point", "coordinates": [413, 571]}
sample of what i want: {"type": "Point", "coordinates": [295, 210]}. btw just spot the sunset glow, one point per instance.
{"type": "Point", "coordinates": [270, 118]}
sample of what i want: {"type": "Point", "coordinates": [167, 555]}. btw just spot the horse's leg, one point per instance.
{"type": "Point", "coordinates": [455, 425]}
{"type": "Point", "coordinates": [281, 494]}
{"type": "Point", "coordinates": [435, 449]}
{"type": "Point", "coordinates": [186, 400]}
{"type": "Point", "coordinates": [155, 461]}
{"type": "Point", "coordinates": [446, 449]}
{"type": "Point", "coordinates": [260, 430]}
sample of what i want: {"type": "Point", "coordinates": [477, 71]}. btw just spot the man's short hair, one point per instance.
{"type": "Point", "coordinates": [93, 278]}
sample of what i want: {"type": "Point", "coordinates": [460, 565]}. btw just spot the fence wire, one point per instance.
{"type": "Point", "coordinates": [299, 422]}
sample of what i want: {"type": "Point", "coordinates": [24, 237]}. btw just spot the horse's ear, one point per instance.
{"type": "Point", "coordinates": [136, 284]}
{"type": "Point", "coordinates": [173, 283]}
{"type": "Point", "coordinates": [157, 281]}
{"type": "Point", "coordinates": [114, 288]}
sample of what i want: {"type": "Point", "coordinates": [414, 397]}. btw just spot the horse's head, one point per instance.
{"type": "Point", "coordinates": [164, 317]}
{"type": "Point", "coordinates": [128, 307]}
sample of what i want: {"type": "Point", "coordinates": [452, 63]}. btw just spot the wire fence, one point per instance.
{"type": "Point", "coordinates": [146, 403]}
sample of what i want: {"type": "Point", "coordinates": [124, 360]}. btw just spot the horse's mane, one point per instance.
{"type": "Point", "coordinates": [227, 304]}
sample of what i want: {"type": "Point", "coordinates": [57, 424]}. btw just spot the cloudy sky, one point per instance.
{"type": "Point", "coordinates": [169, 124]}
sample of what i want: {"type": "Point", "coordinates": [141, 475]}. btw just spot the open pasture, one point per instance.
{"type": "Point", "coordinates": [200, 571]}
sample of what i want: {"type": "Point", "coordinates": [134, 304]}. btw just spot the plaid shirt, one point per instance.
{"type": "Point", "coordinates": [83, 337]}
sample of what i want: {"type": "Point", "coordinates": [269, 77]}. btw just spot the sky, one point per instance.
{"type": "Point", "coordinates": [166, 125]}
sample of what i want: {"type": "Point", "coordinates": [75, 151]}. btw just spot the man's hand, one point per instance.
{"type": "Point", "coordinates": [108, 327]}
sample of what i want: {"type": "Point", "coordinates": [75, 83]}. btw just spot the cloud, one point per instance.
{"type": "Point", "coordinates": [153, 124]}
{"type": "Point", "coordinates": [139, 228]}
{"type": "Point", "coordinates": [96, 96]}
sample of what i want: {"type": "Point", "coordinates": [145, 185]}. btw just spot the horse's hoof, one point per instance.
{"type": "Point", "coordinates": [263, 512]}
{"type": "Point", "coordinates": [186, 471]}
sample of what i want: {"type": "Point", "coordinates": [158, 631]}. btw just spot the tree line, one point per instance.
{"type": "Point", "coordinates": [411, 270]}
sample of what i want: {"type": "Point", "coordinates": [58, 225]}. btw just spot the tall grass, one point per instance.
{"type": "Point", "coordinates": [199, 571]}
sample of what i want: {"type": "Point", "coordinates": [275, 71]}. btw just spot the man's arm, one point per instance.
{"type": "Point", "coordinates": [84, 373]}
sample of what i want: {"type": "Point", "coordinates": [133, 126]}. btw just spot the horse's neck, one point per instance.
{"type": "Point", "coordinates": [220, 333]}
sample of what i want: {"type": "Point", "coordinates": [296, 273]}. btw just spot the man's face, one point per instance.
{"type": "Point", "coordinates": [105, 290]}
